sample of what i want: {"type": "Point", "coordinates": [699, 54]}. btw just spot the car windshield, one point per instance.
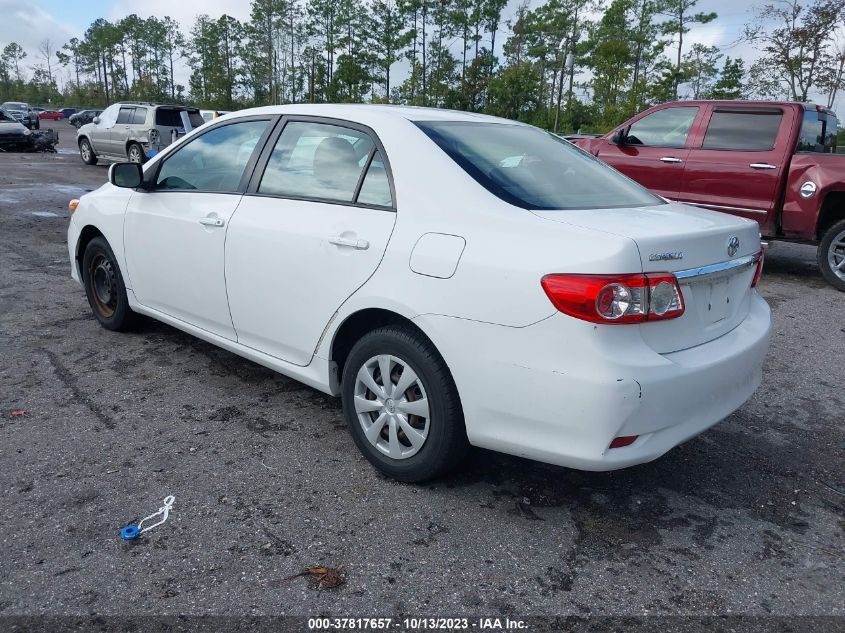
{"type": "Point", "coordinates": [6, 117]}
{"type": "Point", "coordinates": [533, 169]}
{"type": "Point", "coordinates": [818, 132]}
{"type": "Point", "coordinates": [11, 105]}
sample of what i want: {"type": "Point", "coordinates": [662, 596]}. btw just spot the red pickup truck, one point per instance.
{"type": "Point", "coordinates": [774, 162]}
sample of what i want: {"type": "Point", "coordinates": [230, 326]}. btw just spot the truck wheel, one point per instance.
{"type": "Point", "coordinates": [37, 124]}
{"type": "Point", "coordinates": [832, 255]}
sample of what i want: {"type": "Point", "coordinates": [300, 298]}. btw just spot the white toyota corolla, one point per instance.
{"type": "Point", "coordinates": [457, 279]}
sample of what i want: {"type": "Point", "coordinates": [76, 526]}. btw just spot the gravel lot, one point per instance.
{"type": "Point", "coordinates": [747, 519]}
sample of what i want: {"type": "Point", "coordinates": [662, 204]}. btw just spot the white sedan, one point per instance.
{"type": "Point", "coordinates": [457, 279]}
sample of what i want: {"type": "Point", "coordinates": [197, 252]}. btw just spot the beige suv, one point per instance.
{"type": "Point", "coordinates": [134, 131]}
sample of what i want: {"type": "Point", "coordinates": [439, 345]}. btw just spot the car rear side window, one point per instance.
{"type": "Point", "coordinates": [665, 128]}
{"type": "Point", "coordinates": [375, 189]}
{"type": "Point", "coordinates": [140, 116]}
{"type": "Point", "coordinates": [316, 160]}
{"type": "Point", "coordinates": [214, 161]}
{"type": "Point", "coordinates": [533, 169]}
{"type": "Point", "coordinates": [743, 130]}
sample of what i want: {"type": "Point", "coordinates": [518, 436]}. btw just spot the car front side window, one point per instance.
{"type": "Point", "coordinates": [214, 161]}
{"type": "Point", "coordinates": [317, 160]}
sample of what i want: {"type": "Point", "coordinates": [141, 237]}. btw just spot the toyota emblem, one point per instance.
{"type": "Point", "coordinates": [733, 246]}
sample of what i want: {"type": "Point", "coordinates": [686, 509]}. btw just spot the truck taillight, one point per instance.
{"type": "Point", "coordinates": [759, 272]}
{"type": "Point", "coordinates": [633, 298]}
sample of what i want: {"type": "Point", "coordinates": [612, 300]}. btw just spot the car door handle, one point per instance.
{"type": "Point", "coordinates": [209, 221]}
{"type": "Point", "coordinates": [762, 166]}
{"type": "Point", "coordinates": [360, 245]}
{"type": "Point", "coordinates": [670, 159]}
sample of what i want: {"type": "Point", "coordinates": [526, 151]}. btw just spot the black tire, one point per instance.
{"type": "Point", "coordinates": [37, 124]}
{"type": "Point", "coordinates": [133, 150]}
{"type": "Point", "coordinates": [824, 255]}
{"type": "Point", "coordinates": [85, 149]}
{"type": "Point", "coordinates": [104, 287]}
{"type": "Point", "coordinates": [446, 443]}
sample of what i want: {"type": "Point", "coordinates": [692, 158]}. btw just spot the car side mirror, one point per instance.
{"type": "Point", "coordinates": [126, 175]}
{"type": "Point", "coordinates": [619, 137]}
{"type": "Point", "coordinates": [96, 120]}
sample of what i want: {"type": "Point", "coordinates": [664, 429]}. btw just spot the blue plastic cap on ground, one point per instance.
{"type": "Point", "coordinates": [129, 532]}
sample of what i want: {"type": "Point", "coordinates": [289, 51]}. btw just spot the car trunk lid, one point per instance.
{"type": "Point", "coordinates": [711, 253]}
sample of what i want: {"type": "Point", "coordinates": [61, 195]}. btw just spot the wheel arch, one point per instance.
{"type": "Point", "coordinates": [88, 233]}
{"type": "Point", "coordinates": [359, 323]}
{"type": "Point", "coordinates": [832, 211]}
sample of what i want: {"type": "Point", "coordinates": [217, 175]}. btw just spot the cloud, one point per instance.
{"type": "Point", "coordinates": [28, 25]}
{"type": "Point", "coordinates": [183, 12]}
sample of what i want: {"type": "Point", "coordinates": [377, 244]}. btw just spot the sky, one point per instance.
{"type": "Point", "coordinates": [31, 21]}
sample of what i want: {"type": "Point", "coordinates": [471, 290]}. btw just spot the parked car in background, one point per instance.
{"type": "Point", "coordinates": [51, 115]}
{"type": "Point", "coordinates": [133, 130]}
{"type": "Point", "coordinates": [24, 113]}
{"type": "Point", "coordinates": [79, 119]}
{"type": "Point", "coordinates": [67, 112]}
{"type": "Point", "coordinates": [455, 278]}
{"type": "Point", "coordinates": [774, 162]}
{"type": "Point", "coordinates": [12, 132]}
{"type": "Point", "coordinates": [210, 115]}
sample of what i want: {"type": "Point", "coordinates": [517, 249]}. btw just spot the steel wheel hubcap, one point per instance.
{"type": "Point", "coordinates": [103, 285]}
{"type": "Point", "coordinates": [392, 407]}
{"type": "Point", "coordinates": [134, 155]}
{"type": "Point", "coordinates": [836, 255]}
{"type": "Point", "coordinates": [86, 153]}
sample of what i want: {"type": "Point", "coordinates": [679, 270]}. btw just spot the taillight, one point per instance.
{"type": "Point", "coordinates": [759, 272]}
{"type": "Point", "coordinates": [633, 298]}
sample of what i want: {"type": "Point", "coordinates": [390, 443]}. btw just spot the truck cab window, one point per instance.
{"type": "Point", "coordinates": [818, 133]}
{"type": "Point", "coordinates": [743, 129]}
{"type": "Point", "coordinates": [664, 128]}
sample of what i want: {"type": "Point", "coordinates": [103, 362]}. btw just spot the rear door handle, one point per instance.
{"type": "Point", "coordinates": [209, 221]}
{"type": "Point", "coordinates": [670, 159]}
{"type": "Point", "coordinates": [762, 166]}
{"type": "Point", "coordinates": [360, 245]}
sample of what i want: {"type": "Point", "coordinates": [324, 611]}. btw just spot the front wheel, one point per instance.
{"type": "Point", "coordinates": [86, 152]}
{"type": "Point", "coordinates": [37, 124]}
{"type": "Point", "coordinates": [831, 255]}
{"type": "Point", "coordinates": [401, 405]}
{"type": "Point", "coordinates": [104, 287]}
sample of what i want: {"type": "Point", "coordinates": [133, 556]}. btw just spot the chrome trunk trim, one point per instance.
{"type": "Point", "coordinates": [718, 269]}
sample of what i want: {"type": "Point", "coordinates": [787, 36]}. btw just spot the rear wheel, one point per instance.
{"type": "Point", "coordinates": [104, 287]}
{"type": "Point", "coordinates": [401, 405]}
{"type": "Point", "coordinates": [831, 255]}
{"type": "Point", "coordinates": [135, 153]}
{"type": "Point", "coordinates": [86, 152]}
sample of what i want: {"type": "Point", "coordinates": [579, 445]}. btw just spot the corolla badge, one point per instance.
{"type": "Point", "coordinates": [664, 257]}
{"type": "Point", "coordinates": [733, 245]}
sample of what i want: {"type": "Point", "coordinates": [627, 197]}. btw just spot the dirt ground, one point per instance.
{"type": "Point", "coordinates": [749, 518]}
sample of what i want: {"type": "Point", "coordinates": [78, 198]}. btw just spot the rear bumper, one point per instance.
{"type": "Point", "coordinates": [560, 390]}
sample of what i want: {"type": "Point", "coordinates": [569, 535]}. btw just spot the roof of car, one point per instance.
{"type": "Point", "coordinates": [352, 110]}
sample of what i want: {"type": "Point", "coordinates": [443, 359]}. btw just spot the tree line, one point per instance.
{"type": "Point", "coordinates": [564, 65]}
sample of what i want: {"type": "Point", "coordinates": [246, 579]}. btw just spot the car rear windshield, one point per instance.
{"type": "Point", "coordinates": [533, 169]}
{"type": "Point", "coordinates": [818, 132]}
{"type": "Point", "coordinates": [172, 117]}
